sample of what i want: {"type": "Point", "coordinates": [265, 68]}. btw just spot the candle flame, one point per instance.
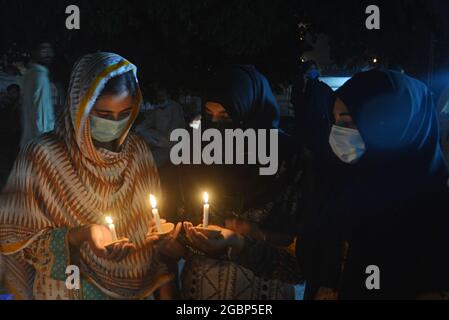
{"type": "Point", "coordinates": [153, 201]}
{"type": "Point", "coordinates": [109, 220]}
{"type": "Point", "coordinates": [206, 197]}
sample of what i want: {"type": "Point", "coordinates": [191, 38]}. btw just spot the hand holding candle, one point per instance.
{"type": "Point", "coordinates": [116, 250]}
{"type": "Point", "coordinates": [155, 212]}
{"type": "Point", "coordinates": [209, 231]}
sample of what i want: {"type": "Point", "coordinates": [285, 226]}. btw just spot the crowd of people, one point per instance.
{"type": "Point", "coordinates": [362, 182]}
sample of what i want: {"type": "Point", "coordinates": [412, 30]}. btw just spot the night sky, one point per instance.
{"type": "Point", "coordinates": [174, 42]}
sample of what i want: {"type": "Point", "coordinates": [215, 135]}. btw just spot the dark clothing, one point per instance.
{"type": "Point", "coordinates": [298, 90]}
{"type": "Point", "coordinates": [246, 95]}
{"type": "Point", "coordinates": [269, 203]}
{"type": "Point", "coordinates": [240, 191]}
{"type": "Point", "coordinates": [313, 116]}
{"type": "Point", "coordinates": [270, 262]}
{"type": "Point", "coordinates": [391, 207]}
{"type": "Point", "coordinates": [389, 210]}
{"type": "Point", "coordinates": [9, 136]}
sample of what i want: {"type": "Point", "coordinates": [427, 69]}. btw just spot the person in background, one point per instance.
{"type": "Point", "coordinates": [312, 105]}
{"type": "Point", "coordinates": [13, 93]}
{"type": "Point", "coordinates": [58, 98]}
{"type": "Point", "coordinates": [165, 116]}
{"type": "Point", "coordinates": [9, 130]}
{"type": "Point", "coordinates": [15, 102]}
{"type": "Point", "coordinates": [37, 108]}
{"type": "Point", "coordinates": [308, 71]}
{"type": "Point", "coordinates": [12, 70]}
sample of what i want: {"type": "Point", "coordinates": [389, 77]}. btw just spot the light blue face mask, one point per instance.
{"type": "Point", "coordinates": [347, 144]}
{"type": "Point", "coordinates": [104, 130]}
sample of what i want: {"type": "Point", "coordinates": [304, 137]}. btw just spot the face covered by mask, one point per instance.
{"type": "Point", "coordinates": [347, 144]}
{"type": "Point", "coordinates": [104, 130]}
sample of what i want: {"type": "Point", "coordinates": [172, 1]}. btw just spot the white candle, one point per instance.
{"type": "Point", "coordinates": [111, 227]}
{"type": "Point", "coordinates": [155, 212]}
{"type": "Point", "coordinates": [206, 208]}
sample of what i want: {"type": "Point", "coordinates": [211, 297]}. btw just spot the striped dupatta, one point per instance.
{"type": "Point", "coordinates": [62, 181]}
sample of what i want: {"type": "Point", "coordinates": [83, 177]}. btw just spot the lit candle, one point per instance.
{"type": "Point", "coordinates": [156, 216]}
{"type": "Point", "coordinates": [206, 208]}
{"type": "Point", "coordinates": [111, 227]}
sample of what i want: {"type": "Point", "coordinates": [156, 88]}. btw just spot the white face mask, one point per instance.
{"type": "Point", "coordinates": [347, 144]}
{"type": "Point", "coordinates": [104, 130]}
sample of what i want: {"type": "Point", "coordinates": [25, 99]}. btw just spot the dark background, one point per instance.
{"type": "Point", "coordinates": [174, 42]}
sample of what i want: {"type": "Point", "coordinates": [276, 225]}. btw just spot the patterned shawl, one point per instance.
{"type": "Point", "coordinates": [62, 181]}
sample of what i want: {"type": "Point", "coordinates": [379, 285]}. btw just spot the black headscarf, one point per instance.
{"type": "Point", "coordinates": [398, 123]}
{"type": "Point", "coordinates": [246, 95]}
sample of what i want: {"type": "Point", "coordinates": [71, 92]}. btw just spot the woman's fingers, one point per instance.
{"type": "Point", "coordinates": [120, 251]}
{"type": "Point", "coordinates": [196, 234]}
{"type": "Point", "coordinates": [159, 241]}
{"type": "Point", "coordinates": [177, 230]}
{"type": "Point", "coordinates": [101, 252]}
{"type": "Point", "coordinates": [187, 228]}
{"type": "Point", "coordinates": [151, 239]}
{"type": "Point", "coordinates": [188, 224]}
{"type": "Point", "coordinates": [132, 247]}
{"type": "Point", "coordinates": [114, 251]}
{"type": "Point", "coordinates": [199, 235]}
{"type": "Point", "coordinates": [200, 240]}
